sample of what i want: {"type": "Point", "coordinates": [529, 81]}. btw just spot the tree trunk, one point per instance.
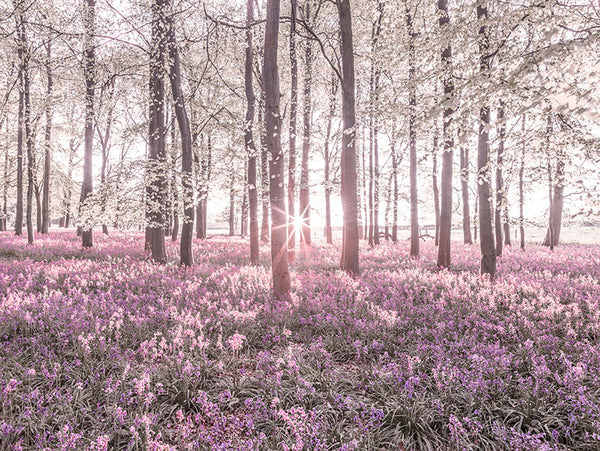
{"type": "Point", "coordinates": [556, 194]}
{"type": "Point", "coordinates": [521, 199]}
{"type": "Point", "coordinates": [291, 192]}
{"type": "Point", "coordinates": [499, 187]}
{"type": "Point", "coordinates": [366, 199]}
{"type": "Point", "coordinates": [305, 229]}
{"type": "Point", "coordinates": [464, 179]}
{"type": "Point", "coordinates": [412, 136]}
{"type": "Point", "coordinates": [89, 69]}
{"type": "Point", "coordinates": [157, 148]}
{"type": "Point", "coordinates": [244, 208]}
{"type": "Point", "coordinates": [47, 142]}
{"type": "Point", "coordinates": [23, 57]}
{"type": "Point", "coordinates": [436, 192]}
{"type": "Point", "coordinates": [105, 144]}
{"type": "Point", "coordinates": [231, 207]}
{"type": "Point", "coordinates": [349, 260]}
{"type": "Point", "coordinates": [486, 233]}
{"type": "Point", "coordinates": [264, 172]}
{"type": "Point", "coordinates": [447, 157]}
{"type": "Point", "coordinates": [186, 256]}
{"type": "Point", "coordinates": [175, 191]}
{"type": "Point", "coordinates": [249, 140]}
{"type": "Point", "coordinates": [395, 206]}
{"type": "Point", "coordinates": [327, 175]}
{"type": "Point", "coordinates": [5, 194]}
{"type": "Point", "coordinates": [279, 235]}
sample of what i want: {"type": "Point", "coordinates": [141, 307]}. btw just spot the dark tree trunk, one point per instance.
{"type": "Point", "coordinates": [279, 235]}
{"type": "Point", "coordinates": [486, 232]}
{"type": "Point", "coordinates": [157, 148]}
{"type": "Point", "coordinates": [349, 260]}
{"type": "Point", "coordinates": [412, 136]}
{"type": "Point", "coordinates": [264, 171]}
{"type": "Point", "coordinates": [464, 180]}
{"type": "Point", "coordinates": [5, 194]}
{"type": "Point", "coordinates": [249, 139]}
{"type": "Point", "coordinates": [447, 157]}
{"type": "Point", "coordinates": [371, 185]}
{"type": "Point", "coordinates": [187, 231]}
{"type": "Point", "coordinates": [47, 142]}
{"type": "Point", "coordinates": [89, 69]}
{"type": "Point", "coordinates": [174, 189]}
{"type": "Point", "coordinates": [305, 229]}
{"type": "Point", "coordinates": [366, 199]}
{"type": "Point", "coordinates": [521, 197]}
{"type": "Point", "coordinates": [291, 191]}
{"type": "Point", "coordinates": [38, 204]}
{"type": "Point", "coordinates": [499, 185]}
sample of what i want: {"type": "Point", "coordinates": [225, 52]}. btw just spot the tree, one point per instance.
{"type": "Point", "coordinates": [464, 179]}
{"type": "Point", "coordinates": [349, 260]}
{"type": "Point", "coordinates": [499, 187]}
{"type": "Point", "coordinates": [447, 157]}
{"type": "Point", "coordinates": [292, 135]}
{"type": "Point", "coordinates": [486, 234]}
{"type": "Point", "coordinates": [47, 139]}
{"type": "Point", "coordinates": [412, 120]}
{"type": "Point", "coordinates": [89, 70]}
{"type": "Point", "coordinates": [186, 256]}
{"type": "Point", "coordinates": [305, 230]}
{"type": "Point", "coordinates": [270, 79]}
{"type": "Point", "coordinates": [157, 148]}
{"type": "Point", "coordinates": [248, 138]}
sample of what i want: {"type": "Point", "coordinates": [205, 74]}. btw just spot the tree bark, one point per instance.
{"type": "Point", "coordinates": [436, 191]}
{"type": "Point", "coordinates": [327, 157]}
{"type": "Point", "coordinates": [521, 197]}
{"type": "Point", "coordinates": [231, 206]}
{"type": "Point", "coordinates": [447, 157]}
{"type": "Point", "coordinates": [157, 133]}
{"type": "Point", "coordinates": [47, 141]}
{"type": "Point", "coordinates": [412, 136]}
{"type": "Point", "coordinates": [305, 229]}
{"type": "Point", "coordinates": [395, 206]}
{"type": "Point", "coordinates": [349, 261]}
{"type": "Point", "coordinates": [264, 171]}
{"type": "Point", "coordinates": [186, 256]}
{"type": "Point", "coordinates": [249, 139]}
{"type": "Point", "coordinates": [556, 193]}
{"type": "Point", "coordinates": [89, 69]}
{"type": "Point", "coordinates": [291, 191]}
{"type": "Point", "coordinates": [22, 54]}
{"type": "Point", "coordinates": [499, 185]}
{"type": "Point", "coordinates": [486, 233]}
{"type": "Point", "coordinates": [464, 179]}
{"type": "Point", "coordinates": [279, 246]}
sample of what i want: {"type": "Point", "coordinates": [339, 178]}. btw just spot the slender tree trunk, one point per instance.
{"type": "Point", "coordinates": [187, 231]}
{"type": "Point", "coordinates": [349, 261]}
{"type": "Point", "coordinates": [23, 57]}
{"type": "Point", "coordinates": [521, 197]}
{"type": "Point", "coordinates": [5, 193]}
{"type": "Point", "coordinates": [412, 134]}
{"type": "Point", "coordinates": [106, 145]}
{"type": "Point", "coordinates": [38, 204]}
{"type": "Point", "coordinates": [47, 141]}
{"type": "Point", "coordinates": [447, 157]}
{"type": "Point", "coordinates": [279, 235]}
{"type": "Point", "coordinates": [327, 175]}
{"type": "Point", "coordinates": [464, 179]}
{"type": "Point", "coordinates": [157, 148]}
{"type": "Point", "coordinates": [264, 171]}
{"type": "Point", "coordinates": [305, 231]}
{"type": "Point", "coordinates": [555, 193]}
{"type": "Point", "coordinates": [175, 191]}
{"type": "Point", "coordinates": [395, 206]}
{"type": "Point", "coordinates": [249, 139]}
{"type": "Point", "coordinates": [366, 199]}
{"type": "Point", "coordinates": [89, 69]}
{"type": "Point", "coordinates": [486, 233]}
{"type": "Point", "coordinates": [244, 206]}
{"type": "Point", "coordinates": [499, 186]}
{"type": "Point", "coordinates": [231, 207]}
{"type": "Point", "coordinates": [436, 192]}
{"type": "Point", "coordinates": [371, 185]}
{"type": "Point", "coordinates": [291, 192]}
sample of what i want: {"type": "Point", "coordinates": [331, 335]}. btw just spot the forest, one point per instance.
{"type": "Point", "coordinates": [300, 225]}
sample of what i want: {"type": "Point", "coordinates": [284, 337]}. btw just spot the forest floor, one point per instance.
{"type": "Point", "coordinates": [102, 349]}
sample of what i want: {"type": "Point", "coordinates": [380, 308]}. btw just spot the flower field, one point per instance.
{"type": "Point", "coordinates": [102, 349]}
